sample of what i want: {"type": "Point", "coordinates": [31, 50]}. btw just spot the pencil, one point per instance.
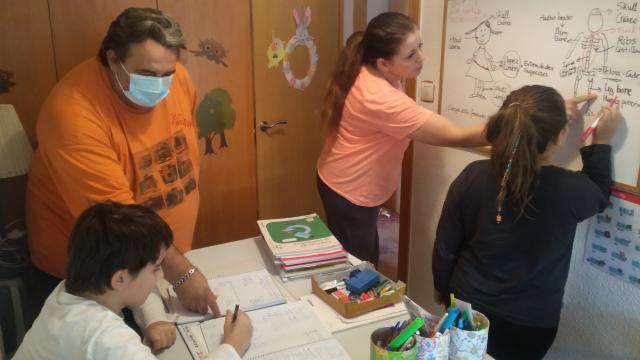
{"type": "Point", "coordinates": [235, 313]}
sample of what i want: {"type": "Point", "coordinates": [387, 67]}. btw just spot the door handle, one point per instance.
{"type": "Point", "coordinates": [264, 126]}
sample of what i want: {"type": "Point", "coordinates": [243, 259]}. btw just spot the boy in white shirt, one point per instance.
{"type": "Point", "coordinates": [115, 253]}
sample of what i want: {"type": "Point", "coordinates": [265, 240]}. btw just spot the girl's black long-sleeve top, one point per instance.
{"type": "Point", "coordinates": [517, 269]}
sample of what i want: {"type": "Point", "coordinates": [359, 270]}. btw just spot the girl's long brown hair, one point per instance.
{"type": "Point", "coordinates": [383, 37]}
{"type": "Point", "coordinates": [530, 119]}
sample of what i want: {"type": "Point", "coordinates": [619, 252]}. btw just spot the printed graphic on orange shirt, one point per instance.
{"type": "Point", "coordinates": [180, 120]}
{"type": "Point", "coordinates": [165, 173]}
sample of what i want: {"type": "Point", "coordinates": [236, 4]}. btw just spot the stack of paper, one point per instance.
{"type": "Point", "coordinates": [253, 290]}
{"type": "Point", "coordinates": [302, 246]}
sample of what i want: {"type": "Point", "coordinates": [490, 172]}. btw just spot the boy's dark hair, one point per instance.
{"type": "Point", "coordinates": [108, 237]}
{"type": "Point", "coordinates": [135, 25]}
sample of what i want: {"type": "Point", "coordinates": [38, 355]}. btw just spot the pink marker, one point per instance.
{"type": "Point", "coordinates": [593, 126]}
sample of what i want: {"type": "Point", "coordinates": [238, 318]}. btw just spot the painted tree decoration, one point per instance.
{"type": "Point", "coordinates": [214, 115]}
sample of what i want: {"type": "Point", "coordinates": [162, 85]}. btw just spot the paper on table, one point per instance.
{"type": "Point", "coordinates": [329, 349]}
{"type": "Point", "coordinates": [252, 290]}
{"type": "Point", "coordinates": [280, 332]}
{"type": "Point", "coordinates": [335, 322]}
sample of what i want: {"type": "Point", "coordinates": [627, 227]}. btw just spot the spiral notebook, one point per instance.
{"type": "Point", "coordinates": [288, 331]}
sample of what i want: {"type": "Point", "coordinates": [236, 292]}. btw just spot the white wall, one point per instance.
{"type": "Point", "coordinates": [375, 7]}
{"type": "Point", "coordinates": [347, 19]}
{"type": "Point", "coordinates": [601, 315]}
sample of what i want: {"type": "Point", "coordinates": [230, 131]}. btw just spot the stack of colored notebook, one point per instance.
{"type": "Point", "coordinates": [302, 246]}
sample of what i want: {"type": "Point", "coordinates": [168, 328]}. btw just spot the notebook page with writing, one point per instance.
{"type": "Point", "coordinates": [279, 331]}
{"type": "Point", "coordinates": [251, 290]}
{"type": "Point", "coordinates": [194, 339]}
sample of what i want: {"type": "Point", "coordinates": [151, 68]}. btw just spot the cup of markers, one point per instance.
{"type": "Point", "coordinates": [397, 342]}
{"type": "Point", "coordinates": [469, 340]}
{"type": "Point", "coordinates": [432, 344]}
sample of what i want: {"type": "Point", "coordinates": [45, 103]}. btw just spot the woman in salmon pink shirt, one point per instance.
{"type": "Point", "coordinates": [371, 122]}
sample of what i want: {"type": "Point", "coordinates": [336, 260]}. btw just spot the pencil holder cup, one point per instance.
{"type": "Point", "coordinates": [436, 347]}
{"type": "Point", "coordinates": [380, 337]}
{"type": "Point", "coordinates": [470, 344]}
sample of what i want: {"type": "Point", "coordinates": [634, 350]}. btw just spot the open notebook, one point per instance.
{"type": "Point", "coordinates": [289, 331]}
{"type": "Point", "coordinates": [252, 290]}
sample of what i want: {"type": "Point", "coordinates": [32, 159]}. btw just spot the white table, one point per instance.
{"type": "Point", "coordinates": [252, 254]}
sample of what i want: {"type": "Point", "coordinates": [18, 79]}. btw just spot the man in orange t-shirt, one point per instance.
{"type": "Point", "coordinates": [120, 127]}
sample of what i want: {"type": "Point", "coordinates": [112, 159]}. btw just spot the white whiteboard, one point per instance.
{"type": "Point", "coordinates": [574, 46]}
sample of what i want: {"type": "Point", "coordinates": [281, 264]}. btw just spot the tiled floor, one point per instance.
{"type": "Point", "coordinates": [388, 230]}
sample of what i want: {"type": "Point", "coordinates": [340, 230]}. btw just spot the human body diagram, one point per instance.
{"type": "Point", "coordinates": [592, 44]}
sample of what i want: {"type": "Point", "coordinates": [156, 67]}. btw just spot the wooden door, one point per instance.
{"type": "Point", "coordinates": [79, 26]}
{"type": "Point", "coordinates": [287, 154]}
{"type": "Point", "coordinates": [27, 70]}
{"type": "Point", "coordinates": [218, 57]}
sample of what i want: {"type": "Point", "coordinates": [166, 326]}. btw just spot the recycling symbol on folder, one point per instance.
{"type": "Point", "coordinates": [303, 232]}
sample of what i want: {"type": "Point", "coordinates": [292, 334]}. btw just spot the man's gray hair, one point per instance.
{"type": "Point", "coordinates": [135, 25]}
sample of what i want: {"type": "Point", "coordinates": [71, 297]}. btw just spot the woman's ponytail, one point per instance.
{"type": "Point", "coordinates": [342, 79]}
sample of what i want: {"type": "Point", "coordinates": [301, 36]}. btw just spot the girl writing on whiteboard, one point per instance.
{"type": "Point", "coordinates": [506, 232]}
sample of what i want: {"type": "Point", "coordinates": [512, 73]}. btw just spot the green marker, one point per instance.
{"type": "Point", "coordinates": [406, 333]}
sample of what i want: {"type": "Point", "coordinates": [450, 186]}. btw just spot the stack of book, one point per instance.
{"type": "Point", "coordinates": [302, 246]}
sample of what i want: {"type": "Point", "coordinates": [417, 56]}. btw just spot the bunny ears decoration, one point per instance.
{"type": "Point", "coordinates": [307, 17]}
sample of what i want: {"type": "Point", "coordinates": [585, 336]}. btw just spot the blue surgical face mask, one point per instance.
{"type": "Point", "coordinates": [146, 91]}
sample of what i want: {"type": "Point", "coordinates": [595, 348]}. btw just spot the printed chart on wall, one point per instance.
{"type": "Point", "coordinates": [613, 240]}
{"type": "Point", "coordinates": [577, 47]}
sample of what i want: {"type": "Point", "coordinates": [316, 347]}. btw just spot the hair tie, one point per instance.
{"type": "Point", "coordinates": [513, 103]}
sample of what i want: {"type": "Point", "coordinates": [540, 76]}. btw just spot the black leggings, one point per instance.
{"type": "Point", "coordinates": [512, 341]}
{"type": "Point", "coordinates": [356, 227]}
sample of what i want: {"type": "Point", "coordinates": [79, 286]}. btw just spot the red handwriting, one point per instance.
{"type": "Point", "coordinates": [180, 120]}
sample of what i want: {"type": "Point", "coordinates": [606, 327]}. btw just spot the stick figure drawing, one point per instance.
{"type": "Point", "coordinates": [481, 62]}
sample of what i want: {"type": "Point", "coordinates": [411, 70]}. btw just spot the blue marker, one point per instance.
{"type": "Point", "coordinates": [451, 317]}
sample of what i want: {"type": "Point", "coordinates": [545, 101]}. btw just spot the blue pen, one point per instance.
{"type": "Point", "coordinates": [460, 324]}
{"type": "Point", "coordinates": [393, 334]}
